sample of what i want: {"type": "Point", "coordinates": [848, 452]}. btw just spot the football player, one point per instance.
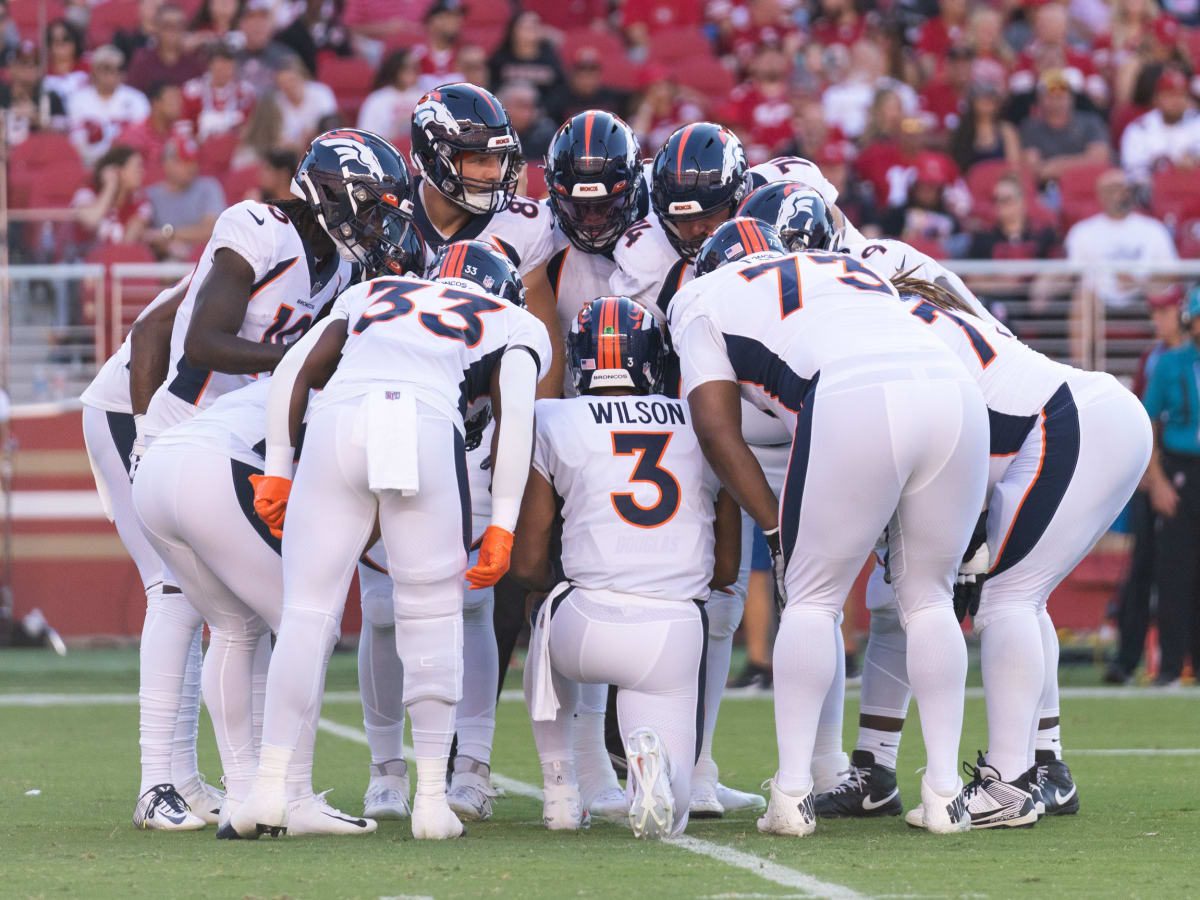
{"type": "Point", "coordinates": [624, 606]}
{"type": "Point", "coordinates": [112, 405]}
{"type": "Point", "coordinates": [399, 362]}
{"type": "Point", "coordinates": [468, 159]}
{"type": "Point", "coordinates": [805, 336]}
{"type": "Point", "coordinates": [266, 273]}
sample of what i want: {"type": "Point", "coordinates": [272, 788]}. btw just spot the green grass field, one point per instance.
{"type": "Point", "coordinates": [1136, 835]}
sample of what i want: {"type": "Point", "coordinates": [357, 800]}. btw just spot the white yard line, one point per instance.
{"type": "Point", "coordinates": [763, 868]}
{"type": "Point", "coordinates": [976, 693]}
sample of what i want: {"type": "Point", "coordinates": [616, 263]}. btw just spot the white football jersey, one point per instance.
{"type": "Point", "coordinates": [890, 258]}
{"type": "Point", "coordinates": [773, 324]}
{"type": "Point", "coordinates": [522, 231]}
{"type": "Point", "coordinates": [288, 294]}
{"type": "Point", "coordinates": [443, 342]}
{"type": "Point", "coordinates": [794, 168]}
{"type": "Point", "coordinates": [577, 278]}
{"type": "Point", "coordinates": [648, 269]}
{"type": "Point", "coordinates": [234, 425]}
{"type": "Point", "coordinates": [109, 390]}
{"type": "Point", "coordinates": [638, 496]}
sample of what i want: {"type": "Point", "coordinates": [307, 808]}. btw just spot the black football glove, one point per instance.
{"type": "Point", "coordinates": [968, 586]}
{"type": "Point", "coordinates": [778, 566]}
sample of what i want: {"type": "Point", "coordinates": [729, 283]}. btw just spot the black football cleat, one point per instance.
{"type": "Point", "coordinates": [869, 790]}
{"type": "Point", "coordinates": [1058, 787]}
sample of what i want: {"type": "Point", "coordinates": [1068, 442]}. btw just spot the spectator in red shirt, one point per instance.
{"type": "Point", "coordinates": [761, 23]}
{"type": "Point", "coordinates": [985, 36]}
{"type": "Point", "coordinates": [838, 22]}
{"type": "Point", "coordinates": [165, 59]}
{"type": "Point", "coordinates": [1049, 49]}
{"type": "Point", "coordinates": [214, 22]}
{"type": "Point", "coordinates": [937, 35]}
{"type": "Point", "coordinates": [889, 149]}
{"type": "Point", "coordinates": [149, 137]}
{"type": "Point", "coordinates": [219, 101]}
{"type": "Point", "coordinates": [443, 26]}
{"type": "Point", "coordinates": [941, 96]}
{"type": "Point", "coordinates": [645, 18]}
{"type": "Point", "coordinates": [982, 134]}
{"type": "Point", "coordinates": [926, 219]}
{"type": "Point", "coordinates": [663, 108]}
{"type": "Point", "coordinates": [114, 209]}
{"type": "Point", "coordinates": [761, 108]}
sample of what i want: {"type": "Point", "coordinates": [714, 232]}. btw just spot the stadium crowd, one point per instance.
{"type": "Point", "coordinates": [968, 129]}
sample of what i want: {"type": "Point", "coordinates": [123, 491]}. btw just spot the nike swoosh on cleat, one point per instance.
{"type": "Point", "coordinates": [361, 823]}
{"type": "Point", "coordinates": [869, 804]}
{"type": "Point", "coordinates": [1061, 798]}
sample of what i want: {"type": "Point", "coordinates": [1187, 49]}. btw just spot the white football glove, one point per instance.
{"type": "Point", "coordinates": [140, 444]}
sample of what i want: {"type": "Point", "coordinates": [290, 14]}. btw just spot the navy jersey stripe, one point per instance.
{"type": "Point", "coordinates": [670, 285]}
{"type": "Point", "coordinates": [477, 378]}
{"type": "Point", "coordinates": [1008, 433]}
{"type": "Point", "coordinates": [754, 363]}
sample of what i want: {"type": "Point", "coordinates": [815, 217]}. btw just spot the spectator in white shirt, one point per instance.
{"type": "Point", "coordinates": [847, 104]}
{"type": "Point", "coordinates": [303, 103]}
{"type": "Point", "coordinates": [1168, 134]}
{"type": "Point", "coordinates": [387, 111]}
{"type": "Point", "coordinates": [99, 111]}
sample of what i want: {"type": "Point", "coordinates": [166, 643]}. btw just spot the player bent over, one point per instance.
{"type": "Point", "coordinates": [638, 555]}
{"type": "Point", "coordinates": [399, 361]}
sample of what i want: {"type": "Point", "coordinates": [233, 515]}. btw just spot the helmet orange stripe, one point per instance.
{"type": "Point", "coordinates": [484, 94]}
{"type": "Point", "coordinates": [587, 133]}
{"type": "Point", "coordinates": [749, 239]}
{"type": "Point", "coordinates": [683, 139]}
{"type": "Point", "coordinates": [611, 342]}
{"type": "Point", "coordinates": [759, 237]}
{"type": "Point", "coordinates": [602, 341]}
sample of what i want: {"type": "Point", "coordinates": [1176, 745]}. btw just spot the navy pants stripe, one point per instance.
{"type": "Point", "coordinates": [793, 486]}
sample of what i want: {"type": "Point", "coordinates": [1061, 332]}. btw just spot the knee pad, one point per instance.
{"type": "Point", "coordinates": [431, 653]}
{"type": "Point", "coordinates": [886, 629]}
{"type": "Point", "coordinates": [724, 614]}
{"type": "Point", "coordinates": [375, 590]}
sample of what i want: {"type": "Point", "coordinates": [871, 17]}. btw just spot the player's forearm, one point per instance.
{"type": "Point", "coordinates": [150, 354]}
{"type": "Point", "coordinates": [220, 351]}
{"type": "Point", "coordinates": [517, 383]}
{"type": "Point", "coordinates": [540, 300]}
{"type": "Point", "coordinates": [287, 400]}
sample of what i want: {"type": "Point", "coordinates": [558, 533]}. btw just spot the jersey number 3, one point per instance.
{"type": "Point", "coordinates": [649, 447]}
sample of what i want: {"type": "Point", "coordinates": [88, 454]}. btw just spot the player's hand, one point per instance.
{"type": "Point", "coordinates": [494, 553]}
{"type": "Point", "coordinates": [968, 586]}
{"type": "Point", "coordinates": [140, 445]}
{"type": "Point", "coordinates": [778, 566]}
{"type": "Point", "coordinates": [270, 500]}
{"type": "Point", "coordinates": [967, 591]}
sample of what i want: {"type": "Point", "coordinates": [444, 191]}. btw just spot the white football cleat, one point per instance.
{"type": "Point", "coordinates": [387, 791]}
{"type": "Point", "coordinates": [225, 831]}
{"type": "Point", "coordinates": [733, 800]}
{"type": "Point", "coordinates": [609, 805]}
{"type": "Point", "coordinates": [264, 811]}
{"type": "Point", "coordinates": [313, 815]}
{"type": "Point", "coordinates": [562, 809]}
{"type": "Point", "coordinates": [161, 808]}
{"type": "Point", "coordinates": [791, 814]}
{"type": "Point", "coordinates": [470, 796]}
{"type": "Point", "coordinates": [433, 819]}
{"type": "Point", "coordinates": [940, 813]}
{"type": "Point", "coordinates": [652, 810]}
{"type": "Point", "coordinates": [204, 799]}
{"type": "Point", "coordinates": [704, 803]}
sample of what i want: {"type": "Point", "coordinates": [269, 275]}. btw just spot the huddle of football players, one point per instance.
{"type": "Point", "coordinates": [573, 413]}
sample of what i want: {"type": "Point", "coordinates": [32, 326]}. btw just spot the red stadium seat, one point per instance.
{"type": "Point", "coordinates": [109, 17]}
{"type": "Point", "coordinates": [1188, 240]}
{"type": "Point", "coordinates": [489, 12]}
{"type": "Point", "coordinates": [535, 181]}
{"type": "Point", "coordinates": [56, 183]}
{"type": "Point", "coordinates": [1175, 195]}
{"type": "Point", "coordinates": [135, 292]}
{"type": "Point", "coordinates": [981, 181]}
{"type": "Point", "coordinates": [705, 76]}
{"type": "Point", "coordinates": [929, 246]}
{"type": "Point", "coordinates": [1077, 186]}
{"type": "Point", "coordinates": [567, 14]}
{"type": "Point", "coordinates": [42, 148]}
{"type": "Point", "coordinates": [1119, 119]}
{"type": "Point", "coordinates": [240, 182]}
{"type": "Point", "coordinates": [216, 154]}
{"type": "Point", "coordinates": [677, 44]}
{"type": "Point", "coordinates": [24, 14]}
{"type": "Point", "coordinates": [349, 78]}
{"type": "Point", "coordinates": [487, 35]}
{"type": "Point", "coordinates": [618, 71]}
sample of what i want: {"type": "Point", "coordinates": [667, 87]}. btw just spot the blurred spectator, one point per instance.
{"type": "Point", "coordinates": [185, 204]}
{"type": "Point", "coordinates": [889, 149]}
{"type": "Point", "coordinates": [1012, 236]}
{"type": "Point", "coordinates": [938, 34]}
{"type": "Point", "coordinates": [758, 25]}
{"type": "Point", "coordinates": [1133, 605]}
{"type": "Point", "coordinates": [114, 209]}
{"type": "Point", "coordinates": [302, 102]}
{"type": "Point", "coordinates": [261, 55]}
{"type": "Point", "coordinates": [837, 22]}
{"type": "Point", "coordinates": [1050, 49]}
{"type": "Point", "coordinates": [925, 218]}
{"type": "Point", "coordinates": [1056, 136]}
{"type": "Point", "coordinates": [527, 55]}
{"type": "Point", "coordinates": [1118, 53]}
{"type": "Point", "coordinates": [1168, 134]}
{"type": "Point", "coordinates": [130, 40]}
{"type": "Point", "coordinates": [848, 102]}
{"type": "Point", "coordinates": [65, 72]}
{"type": "Point", "coordinates": [586, 88]}
{"type": "Point", "coordinates": [1118, 234]}
{"type": "Point", "coordinates": [982, 134]}
{"type": "Point", "coordinates": [662, 108]}
{"type": "Point", "coordinates": [99, 111]}
{"type": "Point", "coordinates": [318, 29]}
{"type": "Point", "coordinates": [472, 65]}
{"type": "Point", "coordinates": [387, 111]}
{"type": "Point", "coordinates": [641, 20]}
{"type": "Point", "coordinates": [994, 58]}
{"type": "Point", "coordinates": [275, 174]}
{"type": "Point", "coordinates": [10, 36]}
{"type": "Point", "coordinates": [533, 127]}
{"type": "Point", "coordinates": [150, 136]}
{"type": "Point", "coordinates": [760, 109]}
{"type": "Point", "coordinates": [165, 59]}
{"type": "Point", "coordinates": [27, 105]}
{"type": "Point", "coordinates": [812, 136]}
{"type": "Point", "coordinates": [1186, 12]}
{"type": "Point", "coordinates": [941, 96]}
{"type": "Point", "coordinates": [833, 159]}
{"type": "Point", "coordinates": [219, 101]}
{"type": "Point", "coordinates": [215, 22]}
{"type": "Point", "coordinates": [443, 27]}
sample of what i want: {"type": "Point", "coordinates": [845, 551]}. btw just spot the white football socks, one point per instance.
{"type": "Point", "coordinates": [1013, 679]}
{"type": "Point", "coordinates": [475, 720]}
{"type": "Point", "coordinates": [805, 665]}
{"type": "Point", "coordinates": [1049, 738]}
{"type": "Point", "coordinates": [937, 671]}
{"type": "Point", "coordinates": [381, 684]}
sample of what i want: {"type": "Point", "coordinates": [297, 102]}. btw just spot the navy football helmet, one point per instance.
{"type": "Point", "coordinates": [738, 239]}
{"type": "Point", "coordinates": [615, 342]}
{"type": "Point", "coordinates": [798, 213]}
{"type": "Point", "coordinates": [360, 190]}
{"type": "Point", "coordinates": [477, 265]}
{"type": "Point", "coordinates": [700, 171]}
{"type": "Point", "coordinates": [458, 119]}
{"type": "Point", "coordinates": [595, 179]}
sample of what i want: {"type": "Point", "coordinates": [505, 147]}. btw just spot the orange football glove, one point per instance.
{"type": "Point", "coordinates": [270, 500]}
{"type": "Point", "coordinates": [494, 554]}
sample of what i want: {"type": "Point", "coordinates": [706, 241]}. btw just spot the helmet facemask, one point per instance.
{"type": "Point", "coordinates": [368, 223]}
{"type": "Point", "coordinates": [478, 195]}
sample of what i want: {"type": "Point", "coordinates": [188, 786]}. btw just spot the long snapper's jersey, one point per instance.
{"type": "Point", "coordinates": [638, 498]}
{"type": "Point", "coordinates": [234, 425]}
{"type": "Point", "coordinates": [109, 390]}
{"type": "Point", "coordinates": [890, 258]}
{"type": "Point", "coordinates": [648, 269]}
{"type": "Point", "coordinates": [577, 278]}
{"type": "Point", "coordinates": [440, 342]}
{"type": "Point", "coordinates": [522, 231]}
{"type": "Point", "coordinates": [775, 324]}
{"type": "Point", "coordinates": [794, 168]}
{"type": "Point", "coordinates": [287, 295]}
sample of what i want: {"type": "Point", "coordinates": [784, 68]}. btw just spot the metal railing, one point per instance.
{"type": "Point", "coordinates": [62, 321]}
